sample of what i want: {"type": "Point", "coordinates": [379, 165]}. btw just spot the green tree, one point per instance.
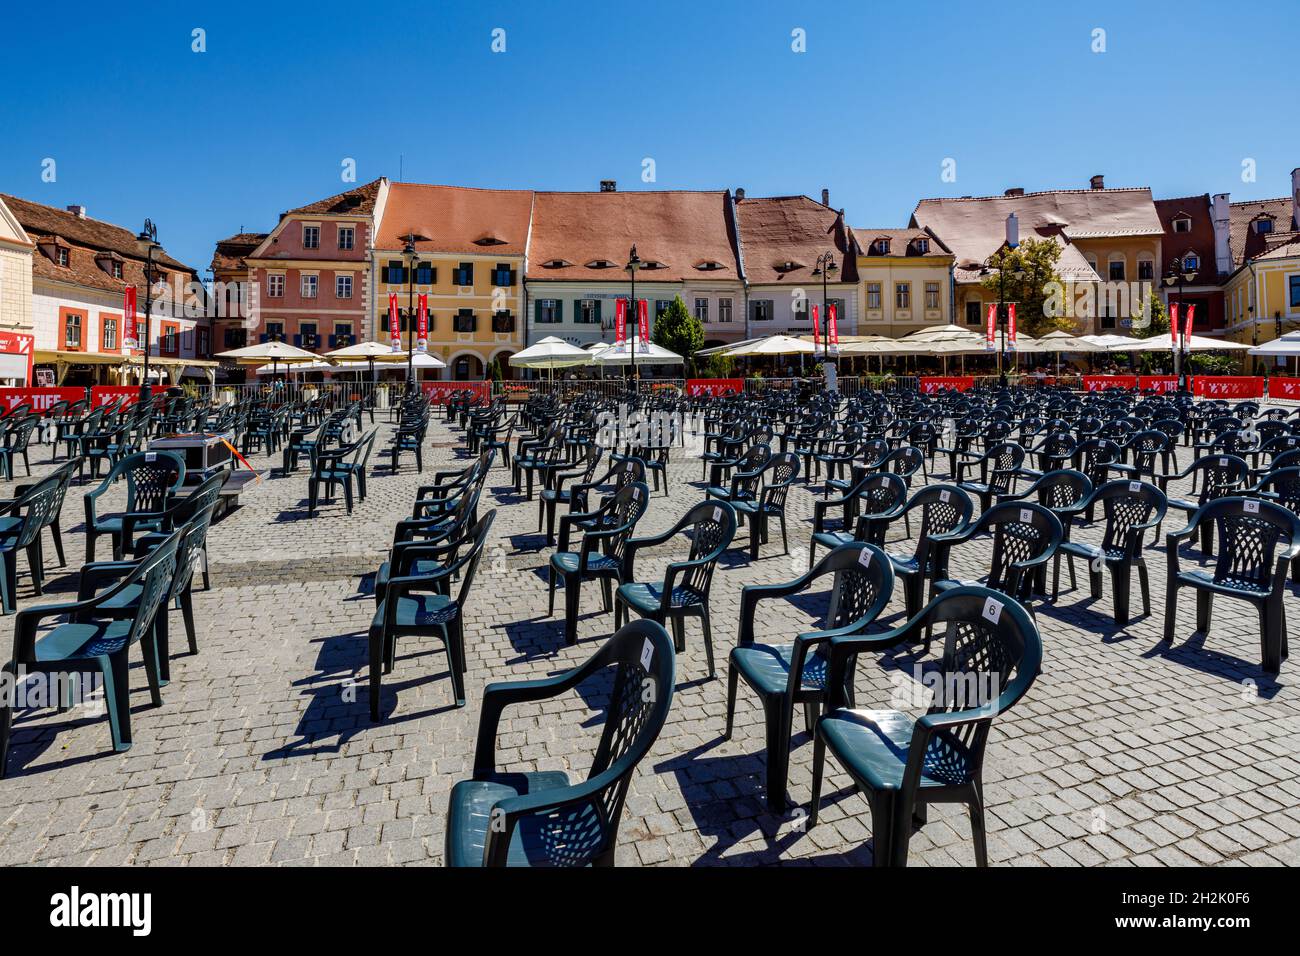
{"type": "Point", "coordinates": [1031, 291]}
{"type": "Point", "coordinates": [679, 331]}
{"type": "Point", "coordinates": [1159, 319]}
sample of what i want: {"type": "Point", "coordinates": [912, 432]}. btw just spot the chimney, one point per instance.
{"type": "Point", "coordinates": [1219, 217]}
{"type": "Point", "coordinates": [1015, 191]}
{"type": "Point", "coordinates": [740, 192]}
{"type": "Point", "coordinates": [1295, 199]}
{"type": "Point", "coordinates": [1097, 182]}
{"type": "Point", "coordinates": [826, 198]}
{"type": "Point", "coordinates": [78, 211]}
{"type": "Point", "coordinates": [608, 186]}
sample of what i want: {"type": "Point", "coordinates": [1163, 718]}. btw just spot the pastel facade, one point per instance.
{"type": "Point", "coordinates": [905, 281]}
{"type": "Point", "coordinates": [469, 262]}
{"type": "Point", "coordinates": [1262, 291]}
{"type": "Point", "coordinates": [15, 297]}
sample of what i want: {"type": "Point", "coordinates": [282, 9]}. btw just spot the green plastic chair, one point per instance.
{"type": "Point", "coordinates": [152, 477]}
{"type": "Point", "coordinates": [684, 591]}
{"type": "Point", "coordinates": [96, 639]}
{"type": "Point", "coordinates": [543, 818]}
{"type": "Point", "coordinates": [902, 764]}
{"type": "Point", "coordinates": [784, 675]}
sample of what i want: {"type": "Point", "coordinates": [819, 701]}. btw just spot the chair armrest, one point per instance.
{"type": "Point", "coordinates": [98, 573]}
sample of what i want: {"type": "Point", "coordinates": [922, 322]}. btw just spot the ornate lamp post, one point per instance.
{"type": "Point", "coordinates": [634, 263]}
{"type": "Point", "coordinates": [147, 243]}
{"type": "Point", "coordinates": [825, 267]}
{"type": "Point", "coordinates": [408, 250]}
{"type": "Point", "coordinates": [1176, 276]}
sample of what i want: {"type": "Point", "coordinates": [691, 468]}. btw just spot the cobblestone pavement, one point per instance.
{"type": "Point", "coordinates": [1124, 752]}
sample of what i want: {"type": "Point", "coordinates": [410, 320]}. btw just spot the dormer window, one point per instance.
{"type": "Point", "coordinates": [922, 246]}
{"type": "Point", "coordinates": [709, 265]}
{"type": "Point", "coordinates": [880, 247]}
{"type": "Point", "coordinates": [115, 269]}
{"type": "Point", "coordinates": [63, 256]}
{"type": "Point", "coordinates": [600, 264]}
{"type": "Point", "coordinates": [652, 264]}
{"type": "Point", "coordinates": [489, 240]}
{"type": "Point", "coordinates": [1182, 224]}
{"type": "Point", "coordinates": [556, 264]}
{"type": "Point", "coordinates": [1263, 225]}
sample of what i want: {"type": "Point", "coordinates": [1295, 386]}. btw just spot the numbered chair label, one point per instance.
{"type": "Point", "coordinates": [647, 653]}
{"type": "Point", "coordinates": [992, 609]}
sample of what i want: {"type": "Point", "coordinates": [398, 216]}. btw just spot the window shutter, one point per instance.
{"type": "Point", "coordinates": [537, 312]}
{"type": "Point", "coordinates": [559, 310]}
{"type": "Point", "coordinates": [598, 311]}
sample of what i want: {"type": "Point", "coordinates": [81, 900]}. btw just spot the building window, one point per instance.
{"type": "Point", "coordinates": [74, 328]}
{"type": "Point", "coordinates": [503, 323]}
{"type": "Point", "coordinates": [1294, 283]}
{"type": "Point", "coordinates": [588, 312]}
{"type": "Point", "coordinates": [347, 237]}
{"type": "Point", "coordinates": [108, 336]}
{"type": "Point", "coordinates": [342, 334]}
{"type": "Point", "coordinates": [702, 309]}
{"type": "Point", "coordinates": [1116, 270]}
{"type": "Point", "coordinates": [311, 237]}
{"type": "Point", "coordinates": [923, 246]}
{"type": "Point", "coordinates": [425, 274]}
{"type": "Point", "coordinates": [202, 348]}
{"type": "Point", "coordinates": [903, 295]}
{"type": "Point", "coordinates": [395, 272]}
{"type": "Point", "coordinates": [1263, 226]}
{"type": "Point", "coordinates": [463, 321]}
{"type": "Point", "coordinates": [169, 339]}
{"type": "Point", "coordinates": [62, 257]}
{"type": "Point", "coordinates": [549, 311]}
{"type": "Point", "coordinates": [1191, 263]}
{"type": "Point", "coordinates": [463, 274]}
{"type": "Point", "coordinates": [343, 287]}
{"type": "Point", "coordinates": [309, 283]}
{"type": "Point", "coordinates": [760, 310]}
{"type": "Point", "coordinates": [503, 275]}
{"type": "Point", "coordinates": [1182, 224]}
{"type": "Point", "coordinates": [116, 269]}
{"type": "Point", "coordinates": [880, 247]}
{"type": "Point", "coordinates": [274, 331]}
{"type": "Point", "coordinates": [235, 338]}
{"type": "Point", "coordinates": [661, 306]}
{"type": "Point", "coordinates": [1107, 318]}
{"type": "Point", "coordinates": [932, 295]}
{"type": "Point", "coordinates": [800, 309]}
{"type": "Point", "coordinates": [275, 286]}
{"type": "Point", "coordinates": [974, 312]}
{"type": "Point", "coordinates": [1146, 269]}
{"type": "Point", "coordinates": [873, 295]}
{"type": "Point", "coordinates": [724, 310]}
{"type": "Point", "coordinates": [838, 306]}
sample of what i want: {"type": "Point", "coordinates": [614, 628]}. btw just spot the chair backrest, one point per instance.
{"type": "Point", "coordinates": [38, 506]}
{"type": "Point", "coordinates": [150, 477]}
{"type": "Point", "coordinates": [1250, 532]}
{"type": "Point", "coordinates": [1021, 531]}
{"type": "Point", "coordinates": [1222, 475]}
{"type": "Point", "coordinates": [880, 493]}
{"type": "Point", "coordinates": [864, 583]}
{"type": "Point", "coordinates": [1285, 484]}
{"type": "Point", "coordinates": [944, 509]}
{"type": "Point", "coordinates": [190, 549]}
{"type": "Point", "coordinates": [778, 475]}
{"type": "Point", "coordinates": [1063, 488]}
{"type": "Point", "coordinates": [1125, 505]}
{"type": "Point", "coordinates": [154, 575]}
{"type": "Point", "coordinates": [468, 563]}
{"type": "Point", "coordinates": [204, 495]}
{"type": "Point", "coordinates": [622, 513]}
{"type": "Point", "coordinates": [1092, 457]}
{"type": "Point", "coordinates": [711, 526]}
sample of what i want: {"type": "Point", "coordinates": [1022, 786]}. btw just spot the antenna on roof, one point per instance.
{"type": "Point", "coordinates": [400, 159]}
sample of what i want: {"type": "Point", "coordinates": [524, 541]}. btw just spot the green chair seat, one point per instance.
{"type": "Point", "coordinates": [419, 610]}
{"type": "Point", "coordinates": [469, 817]}
{"type": "Point", "coordinates": [872, 745]}
{"type": "Point", "coordinates": [646, 598]}
{"type": "Point", "coordinates": [567, 561]}
{"type": "Point", "coordinates": [766, 668]}
{"type": "Point", "coordinates": [83, 639]}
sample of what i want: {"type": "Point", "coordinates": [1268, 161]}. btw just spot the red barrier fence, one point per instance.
{"type": "Point", "coordinates": [937, 383]}
{"type": "Point", "coordinates": [1228, 386]}
{"type": "Point", "coordinates": [39, 399]}
{"type": "Point", "coordinates": [714, 386]}
{"type": "Point", "coordinates": [1282, 387]}
{"type": "Point", "coordinates": [1160, 383]}
{"type": "Point", "coordinates": [1099, 383]}
{"type": "Point", "coordinates": [107, 394]}
{"type": "Point", "coordinates": [441, 392]}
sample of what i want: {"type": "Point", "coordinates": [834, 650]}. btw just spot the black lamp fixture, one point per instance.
{"type": "Point", "coordinates": [147, 243]}
{"type": "Point", "coordinates": [825, 267]}
{"type": "Point", "coordinates": [1177, 276]}
{"type": "Point", "coordinates": [634, 263]}
{"type": "Point", "coordinates": [408, 250]}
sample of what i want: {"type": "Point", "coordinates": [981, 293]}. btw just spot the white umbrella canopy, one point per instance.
{"type": "Point", "coordinates": [1058, 341]}
{"type": "Point", "coordinates": [771, 345]}
{"type": "Point", "coordinates": [275, 352]}
{"type": "Point", "coordinates": [725, 347]}
{"type": "Point", "coordinates": [1205, 343]}
{"type": "Point", "coordinates": [1287, 345]}
{"type": "Point", "coordinates": [294, 368]}
{"type": "Point", "coordinates": [650, 354]}
{"type": "Point", "coordinates": [418, 360]}
{"type": "Point", "coordinates": [370, 351]}
{"type": "Point", "coordinates": [944, 333]}
{"type": "Point", "coordinates": [550, 352]}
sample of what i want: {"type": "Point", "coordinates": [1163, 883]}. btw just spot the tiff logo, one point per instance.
{"type": "Point", "coordinates": [75, 909]}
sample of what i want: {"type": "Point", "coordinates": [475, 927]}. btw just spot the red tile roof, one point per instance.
{"type": "Point", "coordinates": [230, 252]}
{"type": "Point", "coordinates": [1199, 241]}
{"type": "Point", "coordinates": [358, 201]}
{"type": "Point", "coordinates": [782, 236]}
{"type": "Point", "coordinates": [902, 242]}
{"type": "Point", "coordinates": [456, 219]}
{"type": "Point", "coordinates": [1244, 242]}
{"type": "Point", "coordinates": [682, 230]}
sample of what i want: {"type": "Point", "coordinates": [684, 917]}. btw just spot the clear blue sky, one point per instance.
{"type": "Point", "coordinates": [207, 143]}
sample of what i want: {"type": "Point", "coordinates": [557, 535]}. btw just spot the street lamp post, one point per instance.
{"type": "Point", "coordinates": [825, 267]}
{"type": "Point", "coordinates": [408, 250]}
{"type": "Point", "coordinates": [634, 263]}
{"type": "Point", "coordinates": [1178, 276]}
{"type": "Point", "coordinates": [147, 241]}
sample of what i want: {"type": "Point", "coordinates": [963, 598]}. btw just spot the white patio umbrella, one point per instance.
{"type": "Point", "coordinates": [1287, 346]}
{"type": "Point", "coordinates": [550, 353]}
{"type": "Point", "coordinates": [771, 345]}
{"type": "Point", "coordinates": [648, 354]}
{"type": "Point", "coordinates": [1206, 343]}
{"type": "Point", "coordinates": [275, 352]}
{"type": "Point", "coordinates": [316, 366]}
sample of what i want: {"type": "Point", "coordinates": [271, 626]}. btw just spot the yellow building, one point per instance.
{"type": "Point", "coordinates": [905, 281]}
{"type": "Point", "coordinates": [466, 253]}
{"type": "Point", "coordinates": [1262, 293]}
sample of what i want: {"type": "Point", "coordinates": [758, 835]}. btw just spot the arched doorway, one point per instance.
{"type": "Point", "coordinates": [502, 358]}
{"type": "Point", "coordinates": [466, 367]}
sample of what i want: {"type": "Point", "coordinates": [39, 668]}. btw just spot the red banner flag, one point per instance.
{"type": "Point", "coordinates": [832, 332]}
{"type": "Point", "coordinates": [990, 329]}
{"type": "Point", "coordinates": [643, 324]}
{"type": "Point", "coordinates": [817, 342]}
{"type": "Point", "coordinates": [1011, 325]}
{"type": "Point", "coordinates": [422, 324]}
{"type": "Point", "coordinates": [1173, 324]}
{"type": "Point", "coordinates": [394, 323]}
{"type": "Point", "coordinates": [1187, 322]}
{"type": "Point", "coordinates": [620, 321]}
{"type": "Point", "coordinates": [128, 320]}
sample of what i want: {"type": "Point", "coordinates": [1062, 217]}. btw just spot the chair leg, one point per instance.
{"type": "Point", "coordinates": [708, 639]}
{"type": "Point", "coordinates": [550, 588]}
{"type": "Point", "coordinates": [679, 637]}
{"type": "Point", "coordinates": [883, 828]}
{"type": "Point", "coordinates": [187, 613]}
{"type": "Point", "coordinates": [733, 678]}
{"type": "Point", "coordinates": [778, 752]}
{"type": "Point", "coordinates": [57, 534]}
{"type": "Point", "coordinates": [376, 665]}
{"type": "Point", "coordinates": [117, 698]}
{"type": "Point", "coordinates": [1204, 611]}
{"type": "Point", "coordinates": [1120, 584]}
{"type": "Point", "coordinates": [1144, 584]}
{"type": "Point", "coordinates": [1171, 615]}
{"type": "Point", "coordinates": [572, 592]}
{"type": "Point", "coordinates": [456, 659]}
{"type": "Point", "coordinates": [1270, 636]}
{"type": "Point", "coordinates": [978, 835]}
{"type": "Point", "coordinates": [151, 649]}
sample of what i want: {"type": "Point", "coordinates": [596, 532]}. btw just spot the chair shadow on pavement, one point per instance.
{"type": "Point", "coordinates": [338, 708]}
